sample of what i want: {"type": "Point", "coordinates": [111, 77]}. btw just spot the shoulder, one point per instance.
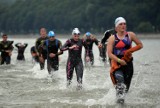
{"type": "Point", "coordinates": [58, 41]}
{"type": "Point", "coordinates": [46, 37]}
{"type": "Point", "coordinates": [131, 35]}
{"type": "Point", "coordinates": [38, 39]}
{"type": "Point", "coordinates": [32, 47]}
{"type": "Point", "coordinates": [112, 37]}
{"type": "Point", "coordinates": [69, 40]}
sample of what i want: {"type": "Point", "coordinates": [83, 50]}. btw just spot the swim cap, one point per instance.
{"type": "Point", "coordinates": [51, 34]}
{"type": "Point", "coordinates": [75, 31]}
{"type": "Point", "coordinates": [88, 34]}
{"type": "Point", "coordinates": [119, 20]}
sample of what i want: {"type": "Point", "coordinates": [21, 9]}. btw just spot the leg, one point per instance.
{"type": "Point", "coordinates": [2, 60]}
{"type": "Point", "coordinates": [128, 75]}
{"type": "Point", "coordinates": [79, 72]}
{"type": "Point", "coordinates": [119, 76]}
{"type": "Point", "coordinates": [8, 60]}
{"type": "Point", "coordinates": [69, 71]}
{"type": "Point", "coordinates": [120, 86]}
{"type": "Point", "coordinates": [49, 66]}
{"type": "Point", "coordinates": [54, 63]}
{"type": "Point", "coordinates": [92, 58]}
{"type": "Point", "coordinates": [41, 65]}
{"type": "Point", "coordinates": [104, 52]}
{"type": "Point", "coordinates": [100, 52]}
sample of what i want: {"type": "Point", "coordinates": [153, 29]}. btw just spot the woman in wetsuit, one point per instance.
{"type": "Point", "coordinates": [74, 47]}
{"type": "Point", "coordinates": [120, 51]}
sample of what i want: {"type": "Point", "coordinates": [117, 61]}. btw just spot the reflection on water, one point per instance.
{"type": "Point", "coordinates": [23, 84]}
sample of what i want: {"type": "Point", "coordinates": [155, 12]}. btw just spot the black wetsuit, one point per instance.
{"type": "Point", "coordinates": [33, 50]}
{"type": "Point", "coordinates": [102, 52]}
{"type": "Point", "coordinates": [21, 50]}
{"type": "Point", "coordinates": [42, 51]}
{"type": "Point", "coordinates": [88, 44]}
{"type": "Point", "coordinates": [52, 47]}
{"type": "Point", "coordinates": [74, 59]}
{"type": "Point", "coordinates": [4, 46]}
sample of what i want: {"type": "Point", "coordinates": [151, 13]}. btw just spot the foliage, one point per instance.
{"type": "Point", "coordinates": [27, 16]}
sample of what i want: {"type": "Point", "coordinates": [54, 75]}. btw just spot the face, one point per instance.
{"type": "Point", "coordinates": [4, 38]}
{"type": "Point", "coordinates": [76, 36]}
{"type": "Point", "coordinates": [121, 27]}
{"type": "Point", "coordinates": [52, 38]}
{"type": "Point", "coordinates": [43, 32]}
{"type": "Point", "coordinates": [88, 37]}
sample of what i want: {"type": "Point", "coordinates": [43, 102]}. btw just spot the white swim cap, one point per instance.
{"type": "Point", "coordinates": [75, 31]}
{"type": "Point", "coordinates": [119, 20]}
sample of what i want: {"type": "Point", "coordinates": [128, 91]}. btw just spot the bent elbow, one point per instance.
{"type": "Point", "coordinates": [141, 46]}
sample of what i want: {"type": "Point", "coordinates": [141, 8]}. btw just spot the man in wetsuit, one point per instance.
{"type": "Point", "coordinates": [21, 48]}
{"type": "Point", "coordinates": [89, 40]}
{"type": "Point", "coordinates": [6, 48]}
{"type": "Point", "coordinates": [52, 45]}
{"type": "Point", "coordinates": [103, 49]}
{"type": "Point", "coordinates": [74, 47]}
{"type": "Point", "coordinates": [41, 52]}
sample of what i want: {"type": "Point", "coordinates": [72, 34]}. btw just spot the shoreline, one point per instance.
{"type": "Point", "coordinates": [99, 36]}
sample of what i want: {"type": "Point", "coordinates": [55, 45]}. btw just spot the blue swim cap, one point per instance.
{"type": "Point", "coordinates": [51, 34]}
{"type": "Point", "coordinates": [88, 34]}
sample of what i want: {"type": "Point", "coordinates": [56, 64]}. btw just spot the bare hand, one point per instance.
{"type": "Point", "coordinates": [122, 62]}
{"type": "Point", "coordinates": [100, 45]}
{"type": "Point", "coordinates": [87, 59]}
{"type": "Point", "coordinates": [52, 55]}
{"type": "Point", "coordinates": [41, 59]}
{"type": "Point", "coordinates": [72, 47]}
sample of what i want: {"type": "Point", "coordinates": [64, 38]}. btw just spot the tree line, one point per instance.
{"type": "Point", "coordinates": [28, 16]}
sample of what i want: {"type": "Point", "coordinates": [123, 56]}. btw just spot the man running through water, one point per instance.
{"type": "Point", "coordinates": [74, 47]}
{"type": "Point", "coordinates": [6, 49]}
{"type": "Point", "coordinates": [41, 52]}
{"type": "Point", "coordinates": [104, 40]}
{"type": "Point", "coordinates": [89, 40]}
{"type": "Point", "coordinates": [52, 45]}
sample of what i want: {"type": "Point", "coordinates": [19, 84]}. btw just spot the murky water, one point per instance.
{"type": "Point", "coordinates": [24, 85]}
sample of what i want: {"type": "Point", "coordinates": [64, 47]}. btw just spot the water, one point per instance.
{"type": "Point", "coordinates": [23, 84]}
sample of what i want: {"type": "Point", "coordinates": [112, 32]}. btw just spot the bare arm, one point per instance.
{"type": "Point", "coordinates": [135, 40]}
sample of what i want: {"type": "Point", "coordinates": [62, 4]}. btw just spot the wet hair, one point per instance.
{"type": "Point", "coordinates": [4, 35]}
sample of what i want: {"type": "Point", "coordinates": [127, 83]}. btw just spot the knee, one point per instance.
{"type": "Point", "coordinates": [119, 77]}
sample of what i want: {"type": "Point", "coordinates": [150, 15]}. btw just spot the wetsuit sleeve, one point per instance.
{"type": "Point", "coordinates": [32, 50]}
{"type": "Point", "coordinates": [96, 41]}
{"type": "Point", "coordinates": [59, 46]}
{"type": "Point", "coordinates": [26, 45]}
{"type": "Point", "coordinates": [86, 47]}
{"type": "Point", "coordinates": [16, 45]}
{"type": "Point", "coordinates": [66, 45]}
{"type": "Point", "coordinates": [36, 45]}
{"type": "Point", "coordinates": [106, 35]}
{"type": "Point", "coordinates": [10, 45]}
{"type": "Point", "coordinates": [0, 46]}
